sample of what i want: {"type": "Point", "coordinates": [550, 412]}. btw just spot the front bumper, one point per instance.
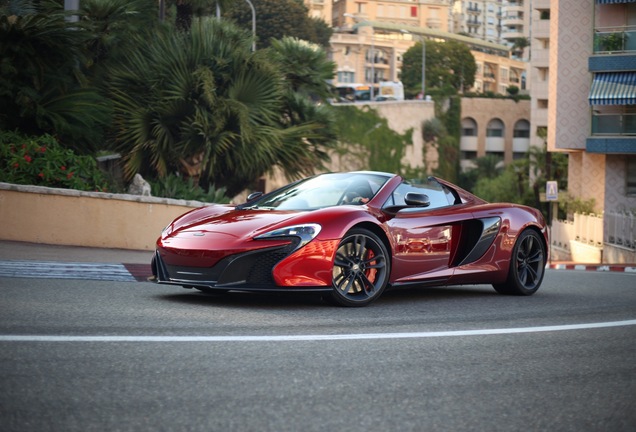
{"type": "Point", "coordinates": [248, 271]}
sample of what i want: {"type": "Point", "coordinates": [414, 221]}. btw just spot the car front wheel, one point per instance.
{"type": "Point", "coordinates": [361, 269]}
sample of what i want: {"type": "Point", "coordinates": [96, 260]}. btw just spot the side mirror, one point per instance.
{"type": "Point", "coordinates": [417, 199]}
{"type": "Point", "coordinates": [254, 195]}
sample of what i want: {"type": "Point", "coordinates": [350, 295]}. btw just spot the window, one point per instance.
{"type": "Point", "coordinates": [630, 176]}
{"type": "Point", "coordinates": [522, 129]}
{"type": "Point", "coordinates": [468, 155]}
{"type": "Point", "coordinates": [495, 128]}
{"type": "Point", "coordinates": [438, 194]}
{"type": "Point", "coordinates": [469, 127]}
{"type": "Point", "coordinates": [346, 77]}
{"type": "Point", "coordinates": [413, 11]}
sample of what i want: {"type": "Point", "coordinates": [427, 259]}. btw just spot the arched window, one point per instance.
{"type": "Point", "coordinates": [495, 128]}
{"type": "Point", "coordinates": [469, 127]}
{"type": "Point", "coordinates": [521, 139]}
{"type": "Point", "coordinates": [522, 129]}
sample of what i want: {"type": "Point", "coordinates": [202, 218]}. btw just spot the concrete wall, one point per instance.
{"type": "Point", "coordinates": [68, 217]}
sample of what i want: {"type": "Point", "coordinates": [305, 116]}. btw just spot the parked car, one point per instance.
{"type": "Point", "coordinates": [351, 236]}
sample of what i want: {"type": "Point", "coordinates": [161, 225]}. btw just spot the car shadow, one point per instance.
{"type": "Point", "coordinates": [247, 299]}
{"type": "Point", "coordinates": [299, 300]}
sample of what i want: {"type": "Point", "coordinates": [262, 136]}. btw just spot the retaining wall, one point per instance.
{"type": "Point", "coordinates": [93, 219]}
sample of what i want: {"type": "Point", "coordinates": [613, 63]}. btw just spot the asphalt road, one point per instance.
{"type": "Point", "coordinates": [126, 356]}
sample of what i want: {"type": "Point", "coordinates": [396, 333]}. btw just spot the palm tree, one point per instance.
{"type": "Point", "coordinates": [519, 45]}
{"type": "Point", "coordinates": [202, 103]}
{"type": "Point", "coordinates": [42, 86]}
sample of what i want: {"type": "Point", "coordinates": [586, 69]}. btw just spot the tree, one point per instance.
{"type": "Point", "coordinates": [203, 104]}
{"type": "Point", "coordinates": [448, 64]}
{"type": "Point", "coordinates": [276, 19]}
{"type": "Point", "coordinates": [519, 45]}
{"type": "Point", "coordinates": [367, 142]}
{"type": "Point", "coordinates": [43, 87]}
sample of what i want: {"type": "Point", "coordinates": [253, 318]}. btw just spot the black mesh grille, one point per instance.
{"type": "Point", "coordinates": [261, 271]}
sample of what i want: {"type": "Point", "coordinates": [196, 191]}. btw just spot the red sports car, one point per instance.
{"type": "Point", "coordinates": [352, 235]}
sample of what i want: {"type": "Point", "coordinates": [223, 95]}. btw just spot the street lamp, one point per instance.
{"type": "Point", "coordinates": [253, 25]}
{"type": "Point", "coordinates": [72, 5]}
{"type": "Point", "coordinates": [423, 62]}
{"type": "Point", "coordinates": [218, 16]}
{"type": "Point", "coordinates": [372, 63]}
{"type": "Point", "coordinates": [372, 55]}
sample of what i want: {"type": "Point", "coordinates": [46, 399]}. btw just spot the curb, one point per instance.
{"type": "Point", "coordinates": [622, 268]}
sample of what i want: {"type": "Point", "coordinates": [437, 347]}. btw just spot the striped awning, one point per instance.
{"type": "Point", "coordinates": [614, 1]}
{"type": "Point", "coordinates": [613, 88]}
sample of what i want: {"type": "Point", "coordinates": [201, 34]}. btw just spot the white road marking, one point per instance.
{"type": "Point", "coordinates": [325, 337]}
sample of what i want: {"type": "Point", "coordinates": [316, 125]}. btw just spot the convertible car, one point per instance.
{"type": "Point", "coordinates": [351, 236]}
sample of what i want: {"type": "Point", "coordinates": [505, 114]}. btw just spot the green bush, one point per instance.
{"type": "Point", "coordinates": [42, 161]}
{"type": "Point", "coordinates": [173, 186]}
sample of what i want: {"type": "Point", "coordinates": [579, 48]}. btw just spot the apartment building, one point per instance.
{"type": "Point", "coordinates": [592, 100]}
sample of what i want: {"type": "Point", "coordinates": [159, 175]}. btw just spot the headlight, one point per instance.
{"type": "Point", "coordinates": [305, 233]}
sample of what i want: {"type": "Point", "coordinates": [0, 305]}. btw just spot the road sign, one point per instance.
{"type": "Point", "coordinates": [551, 191]}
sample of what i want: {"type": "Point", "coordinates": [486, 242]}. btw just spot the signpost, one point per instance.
{"type": "Point", "coordinates": [552, 196]}
{"type": "Point", "coordinates": [551, 191]}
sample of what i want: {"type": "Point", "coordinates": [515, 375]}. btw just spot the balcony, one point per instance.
{"type": "Point", "coordinates": [613, 124]}
{"type": "Point", "coordinates": [473, 10]}
{"type": "Point", "coordinates": [512, 20]}
{"type": "Point", "coordinates": [607, 41]}
{"type": "Point", "coordinates": [512, 33]}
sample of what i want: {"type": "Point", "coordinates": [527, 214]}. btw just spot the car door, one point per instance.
{"type": "Point", "coordinates": [425, 238]}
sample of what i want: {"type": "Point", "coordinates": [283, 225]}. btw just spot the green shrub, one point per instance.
{"type": "Point", "coordinates": [174, 186]}
{"type": "Point", "coordinates": [42, 161]}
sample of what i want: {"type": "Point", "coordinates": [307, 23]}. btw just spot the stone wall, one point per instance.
{"type": "Point", "coordinates": [45, 215]}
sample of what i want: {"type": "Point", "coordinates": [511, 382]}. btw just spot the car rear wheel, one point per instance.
{"type": "Point", "coordinates": [527, 265]}
{"type": "Point", "coordinates": [361, 269]}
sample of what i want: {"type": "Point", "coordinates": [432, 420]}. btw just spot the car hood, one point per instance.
{"type": "Point", "coordinates": [224, 221]}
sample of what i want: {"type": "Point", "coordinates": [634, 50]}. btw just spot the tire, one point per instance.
{"type": "Point", "coordinates": [361, 269]}
{"type": "Point", "coordinates": [527, 265]}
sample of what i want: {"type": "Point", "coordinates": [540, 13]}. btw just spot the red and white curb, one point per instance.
{"type": "Point", "coordinates": [628, 268]}
{"type": "Point", "coordinates": [75, 270]}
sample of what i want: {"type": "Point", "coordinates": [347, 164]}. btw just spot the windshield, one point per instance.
{"type": "Point", "coordinates": [321, 191]}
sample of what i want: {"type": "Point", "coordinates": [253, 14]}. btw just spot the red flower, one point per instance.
{"type": "Point", "coordinates": [63, 168]}
{"type": "Point", "coordinates": [69, 175]}
{"type": "Point", "coordinates": [42, 149]}
{"type": "Point", "coordinates": [27, 158]}
{"type": "Point", "coordinates": [16, 165]}
{"type": "Point", "coordinates": [41, 175]}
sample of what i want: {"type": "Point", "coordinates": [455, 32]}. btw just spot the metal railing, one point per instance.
{"type": "Point", "coordinates": [615, 39]}
{"type": "Point", "coordinates": [620, 229]}
{"type": "Point", "coordinates": [614, 228]}
{"type": "Point", "coordinates": [614, 124]}
{"type": "Point", "coordinates": [588, 228]}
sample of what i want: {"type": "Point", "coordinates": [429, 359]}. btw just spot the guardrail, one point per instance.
{"type": "Point", "coordinates": [612, 228]}
{"type": "Point", "coordinates": [620, 229]}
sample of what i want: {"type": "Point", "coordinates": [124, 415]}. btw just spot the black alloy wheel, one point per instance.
{"type": "Point", "coordinates": [527, 265]}
{"type": "Point", "coordinates": [361, 269]}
